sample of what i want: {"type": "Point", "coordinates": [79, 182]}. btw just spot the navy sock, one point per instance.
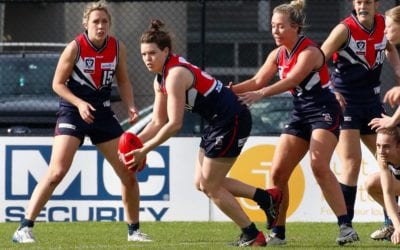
{"type": "Point", "coordinates": [280, 232]}
{"type": "Point", "coordinates": [26, 223]}
{"type": "Point", "coordinates": [251, 231]}
{"type": "Point", "coordinates": [344, 219]}
{"type": "Point", "coordinates": [262, 198]}
{"type": "Point", "coordinates": [133, 227]}
{"type": "Point", "coordinates": [387, 220]}
{"type": "Point", "coordinates": [349, 193]}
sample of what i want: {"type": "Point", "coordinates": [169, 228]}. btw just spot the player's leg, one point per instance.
{"type": "Point", "coordinates": [213, 174]}
{"type": "Point", "coordinates": [288, 153]}
{"type": "Point", "coordinates": [322, 145]}
{"type": "Point", "coordinates": [129, 189]}
{"type": "Point", "coordinates": [374, 189]}
{"type": "Point", "coordinates": [349, 152]}
{"type": "Point", "coordinates": [64, 148]}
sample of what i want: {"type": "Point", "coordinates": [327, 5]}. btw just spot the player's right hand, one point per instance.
{"type": "Point", "coordinates": [392, 96]}
{"type": "Point", "coordinates": [85, 110]}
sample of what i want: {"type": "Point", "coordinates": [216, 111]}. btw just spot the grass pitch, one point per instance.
{"type": "Point", "coordinates": [180, 235]}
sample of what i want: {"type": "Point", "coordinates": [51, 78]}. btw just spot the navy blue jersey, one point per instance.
{"type": "Point", "coordinates": [313, 92]}
{"type": "Point", "coordinates": [93, 72]}
{"type": "Point", "coordinates": [394, 170]}
{"type": "Point", "coordinates": [315, 106]}
{"type": "Point", "coordinates": [358, 63]}
{"type": "Point", "coordinates": [207, 96]}
{"type": "Point", "coordinates": [229, 120]}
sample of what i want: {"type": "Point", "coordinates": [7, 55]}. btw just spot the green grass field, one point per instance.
{"type": "Point", "coordinates": [179, 235]}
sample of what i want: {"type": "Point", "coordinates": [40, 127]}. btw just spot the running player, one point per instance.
{"type": "Point", "coordinates": [83, 80]}
{"type": "Point", "coordinates": [179, 85]}
{"type": "Point", "coordinates": [314, 124]}
{"type": "Point", "coordinates": [358, 46]}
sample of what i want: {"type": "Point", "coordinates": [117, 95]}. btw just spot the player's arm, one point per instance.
{"type": "Point", "coordinates": [389, 195]}
{"type": "Point", "coordinates": [159, 116]}
{"type": "Point", "coordinates": [124, 85]}
{"type": "Point", "coordinates": [308, 60]}
{"type": "Point", "coordinates": [263, 76]}
{"type": "Point", "coordinates": [336, 40]}
{"type": "Point", "coordinates": [393, 57]}
{"type": "Point", "coordinates": [178, 81]}
{"type": "Point", "coordinates": [63, 72]}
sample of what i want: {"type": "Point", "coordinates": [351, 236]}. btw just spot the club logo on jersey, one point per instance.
{"type": "Point", "coordinates": [327, 117]}
{"type": "Point", "coordinates": [89, 64]}
{"type": "Point", "coordinates": [361, 46]}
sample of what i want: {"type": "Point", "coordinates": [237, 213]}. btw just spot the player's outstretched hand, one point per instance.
{"type": "Point", "coordinates": [384, 122]}
{"type": "Point", "coordinates": [392, 96]}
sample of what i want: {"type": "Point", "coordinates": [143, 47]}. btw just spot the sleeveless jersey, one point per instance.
{"type": "Point", "coordinates": [358, 63]}
{"type": "Point", "coordinates": [206, 96]}
{"type": "Point", "coordinates": [313, 91]}
{"type": "Point", "coordinates": [93, 72]}
{"type": "Point", "coordinates": [394, 170]}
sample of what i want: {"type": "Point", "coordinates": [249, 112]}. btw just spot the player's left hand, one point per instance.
{"type": "Point", "coordinates": [384, 122]}
{"type": "Point", "coordinates": [248, 98]}
{"type": "Point", "coordinates": [138, 157]}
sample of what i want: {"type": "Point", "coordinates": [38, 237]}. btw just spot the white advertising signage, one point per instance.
{"type": "Point", "coordinates": [91, 190]}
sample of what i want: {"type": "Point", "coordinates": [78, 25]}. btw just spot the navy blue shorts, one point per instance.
{"type": "Point", "coordinates": [358, 117]}
{"type": "Point", "coordinates": [226, 138]}
{"type": "Point", "coordinates": [104, 128]}
{"type": "Point", "coordinates": [301, 124]}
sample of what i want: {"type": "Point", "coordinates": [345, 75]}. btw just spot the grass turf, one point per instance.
{"type": "Point", "coordinates": [180, 235]}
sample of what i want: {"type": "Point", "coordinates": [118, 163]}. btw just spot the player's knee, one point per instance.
{"type": "Point", "coordinates": [209, 189]}
{"type": "Point", "coordinates": [372, 184]}
{"type": "Point", "coordinates": [56, 177]}
{"type": "Point", "coordinates": [279, 178]}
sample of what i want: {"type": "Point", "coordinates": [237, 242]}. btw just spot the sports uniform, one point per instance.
{"type": "Point", "coordinates": [91, 80]}
{"type": "Point", "coordinates": [358, 66]}
{"type": "Point", "coordinates": [315, 106]}
{"type": "Point", "coordinates": [229, 120]}
{"type": "Point", "coordinates": [395, 170]}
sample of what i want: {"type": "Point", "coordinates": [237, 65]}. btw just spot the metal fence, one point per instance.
{"type": "Point", "coordinates": [230, 39]}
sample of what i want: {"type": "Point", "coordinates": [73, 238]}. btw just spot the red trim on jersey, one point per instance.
{"type": "Point", "coordinates": [232, 139]}
{"type": "Point", "coordinates": [202, 81]}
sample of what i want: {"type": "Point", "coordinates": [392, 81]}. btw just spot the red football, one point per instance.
{"type": "Point", "coordinates": [128, 142]}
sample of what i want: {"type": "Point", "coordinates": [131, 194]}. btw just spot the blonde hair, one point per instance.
{"type": "Point", "coordinates": [294, 10]}
{"type": "Point", "coordinates": [99, 5]}
{"type": "Point", "coordinates": [393, 132]}
{"type": "Point", "coordinates": [394, 13]}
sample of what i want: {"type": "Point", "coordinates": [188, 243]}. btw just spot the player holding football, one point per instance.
{"type": "Point", "coordinates": [83, 79]}
{"type": "Point", "coordinates": [358, 47]}
{"type": "Point", "coordinates": [179, 85]}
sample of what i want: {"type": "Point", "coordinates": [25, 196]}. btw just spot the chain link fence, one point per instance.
{"type": "Point", "coordinates": [229, 39]}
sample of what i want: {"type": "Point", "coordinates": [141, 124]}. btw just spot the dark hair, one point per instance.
{"type": "Point", "coordinates": [155, 35]}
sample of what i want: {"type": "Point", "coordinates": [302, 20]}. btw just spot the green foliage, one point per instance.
{"type": "Point", "coordinates": [179, 235]}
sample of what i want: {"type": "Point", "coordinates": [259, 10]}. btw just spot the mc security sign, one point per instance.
{"type": "Point", "coordinates": [89, 178]}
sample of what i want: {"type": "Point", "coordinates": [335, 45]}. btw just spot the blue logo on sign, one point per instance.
{"type": "Point", "coordinates": [89, 178]}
